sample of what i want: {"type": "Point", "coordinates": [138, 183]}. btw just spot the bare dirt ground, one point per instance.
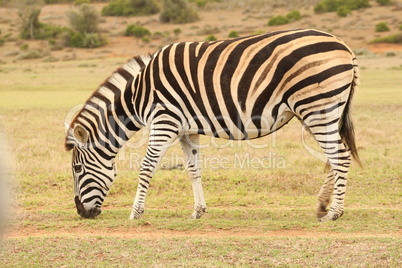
{"type": "Point", "coordinates": [152, 233]}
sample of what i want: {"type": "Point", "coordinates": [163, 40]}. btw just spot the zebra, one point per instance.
{"type": "Point", "coordinates": [238, 89]}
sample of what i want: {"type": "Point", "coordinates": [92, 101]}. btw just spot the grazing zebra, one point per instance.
{"type": "Point", "coordinates": [237, 89]}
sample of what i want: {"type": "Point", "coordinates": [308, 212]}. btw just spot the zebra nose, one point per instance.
{"type": "Point", "coordinates": [92, 213]}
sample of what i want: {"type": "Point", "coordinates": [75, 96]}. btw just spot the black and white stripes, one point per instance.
{"type": "Point", "coordinates": [237, 89]}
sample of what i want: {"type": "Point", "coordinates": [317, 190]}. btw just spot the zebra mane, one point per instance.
{"type": "Point", "coordinates": [116, 81]}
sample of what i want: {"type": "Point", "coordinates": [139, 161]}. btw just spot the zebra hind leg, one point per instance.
{"type": "Point", "coordinates": [339, 158]}
{"type": "Point", "coordinates": [325, 129]}
{"type": "Point", "coordinates": [324, 196]}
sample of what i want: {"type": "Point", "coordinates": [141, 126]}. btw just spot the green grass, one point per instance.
{"type": "Point", "coordinates": [201, 252]}
{"type": "Point", "coordinates": [247, 203]}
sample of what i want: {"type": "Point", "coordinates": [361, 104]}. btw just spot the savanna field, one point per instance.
{"type": "Point", "coordinates": [261, 194]}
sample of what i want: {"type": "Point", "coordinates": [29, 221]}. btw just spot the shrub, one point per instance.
{"type": "Point", "coordinates": [28, 12]}
{"type": "Point", "coordinates": [211, 38]}
{"type": "Point", "coordinates": [381, 27]}
{"type": "Point", "coordinates": [333, 5]}
{"type": "Point", "coordinates": [86, 40]}
{"type": "Point", "coordinates": [131, 8]}
{"type": "Point", "coordinates": [278, 20]}
{"type": "Point", "coordinates": [203, 3]}
{"type": "Point", "coordinates": [400, 27]}
{"type": "Point", "coordinates": [393, 39]}
{"type": "Point", "coordinates": [136, 30]}
{"type": "Point", "coordinates": [86, 20]}
{"type": "Point", "coordinates": [177, 31]}
{"type": "Point", "coordinates": [80, 2]}
{"type": "Point", "coordinates": [320, 8]}
{"type": "Point", "coordinates": [178, 11]}
{"type": "Point", "coordinates": [384, 2]}
{"type": "Point", "coordinates": [233, 34]}
{"type": "Point", "coordinates": [343, 11]}
{"type": "Point", "coordinates": [293, 15]}
{"type": "Point", "coordinates": [24, 47]}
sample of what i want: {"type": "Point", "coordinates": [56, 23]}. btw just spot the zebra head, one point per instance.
{"type": "Point", "coordinates": [93, 170]}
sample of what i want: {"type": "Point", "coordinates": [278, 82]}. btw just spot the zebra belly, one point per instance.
{"type": "Point", "coordinates": [245, 131]}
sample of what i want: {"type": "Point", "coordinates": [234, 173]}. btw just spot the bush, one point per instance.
{"type": "Point", "coordinates": [81, 2]}
{"type": "Point", "coordinates": [131, 8]}
{"type": "Point", "coordinates": [233, 34]}
{"type": "Point", "coordinates": [334, 5]}
{"type": "Point", "coordinates": [278, 20]}
{"type": "Point", "coordinates": [293, 15]}
{"type": "Point", "coordinates": [392, 39]}
{"type": "Point", "coordinates": [400, 27]}
{"type": "Point", "coordinates": [203, 3]}
{"type": "Point", "coordinates": [177, 31]}
{"type": "Point", "coordinates": [382, 27]}
{"type": "Point", "coordinates": [343, 11]}
{"type": "Point", "coordinates": [384, 2]}
{"type": "Point", "coordinates": [86, 20]}
{"type": "Point", "coordinates": [86, 40]}
{"type": "Point", "coordinates": [211, 38]}
{"type": "Point", "coordinates": [178, 11]}
{"type": "Point", "coordinates": [136, 30]}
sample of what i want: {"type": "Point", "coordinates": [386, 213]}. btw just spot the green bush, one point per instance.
{"type": "Point", "coordinates": [400, 27]}
{"type": "Point", "coordinates": [136, 30]}
{"type": "Point", "coordinates": [131, 8]}
{"type": "Point", "coordinates": [320, 8]}
{"type": "Point", "coordinates": [343, 11]}
{"type": "Point", "coordinates": [381, 27]}
{"type": "Point", "coordinates": [278, 20]}
{"type": "Point", "coordinates": [3, 38]}
{"type": "Point", "coordinates": [392, 39]}
{"type": "Point", "coordinates": [80, 2]}
{"type": "Point", "coordinates": [211, 38]}
{"type": "Point", "coordinates": [233, 34]}
{"type": "Point", "coordinates": [203, 3]}
{"type": "Point", "coordinates": [86, 40]}
{"type": "Point", "coordinates": [334, 5]}
{"type": "Point", "coordinates": [85, 20]}
{"type": "Point", "coordinates": [293, 15]}
{"type": "Point", "coordinates": [384, 2]}
{"type": "Point", "coordinates": [178, 11]}
{"type": "Point", "coordinates": [177, 31]}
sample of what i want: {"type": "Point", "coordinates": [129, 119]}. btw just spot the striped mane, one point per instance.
{"type": "Point", "coordinates": [114, 83]}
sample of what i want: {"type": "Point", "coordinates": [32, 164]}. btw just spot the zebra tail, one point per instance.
{"type": "Point", "coordinates": [346, 128]}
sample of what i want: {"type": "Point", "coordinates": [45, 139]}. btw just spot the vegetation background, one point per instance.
{"type": "Point", "coordinates": [261, 201]}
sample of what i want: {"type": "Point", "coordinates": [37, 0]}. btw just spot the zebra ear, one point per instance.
{"type": "Point", "coordinates": [81, 134]}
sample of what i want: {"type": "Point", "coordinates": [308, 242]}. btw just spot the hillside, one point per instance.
{"type": "Point", "coordinates": [218, 19]}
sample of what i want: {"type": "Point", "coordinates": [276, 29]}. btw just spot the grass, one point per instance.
{"type": "Point", "coordinates": [202, 252]}
{"type": "Point", "coordinates": [252, 193]}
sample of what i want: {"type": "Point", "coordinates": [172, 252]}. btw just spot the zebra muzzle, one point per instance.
{"type": "Point", "coordinates": [91, 213]}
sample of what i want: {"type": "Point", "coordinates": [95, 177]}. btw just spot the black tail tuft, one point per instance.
{"type": "Point", "coordinates": [346, 128]}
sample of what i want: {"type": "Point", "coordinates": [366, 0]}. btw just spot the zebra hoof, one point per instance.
{"type": "Point", "coordinates": [136, 213]}
{"type": "Point", "coordinates": [330, 217]}
{"type": "Point", "coordinates": [321, 214]}
{"type": "Point", "coordinates": [198, 212]}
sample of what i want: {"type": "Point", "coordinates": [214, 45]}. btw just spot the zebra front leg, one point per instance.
{"type": "Point", "coordinates": [158, 144]}
{"type": "Point", "coordinates": [190, 146]}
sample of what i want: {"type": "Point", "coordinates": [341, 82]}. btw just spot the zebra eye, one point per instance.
{"type": "Point", "coordinates": [78, 168]}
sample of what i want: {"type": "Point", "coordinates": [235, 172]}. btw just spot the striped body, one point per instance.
{"type": "Point", "coordinates": [238, 89]}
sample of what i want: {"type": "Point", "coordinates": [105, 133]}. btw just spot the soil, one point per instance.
{"type": "Point", "coordinates": [151, 233]}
